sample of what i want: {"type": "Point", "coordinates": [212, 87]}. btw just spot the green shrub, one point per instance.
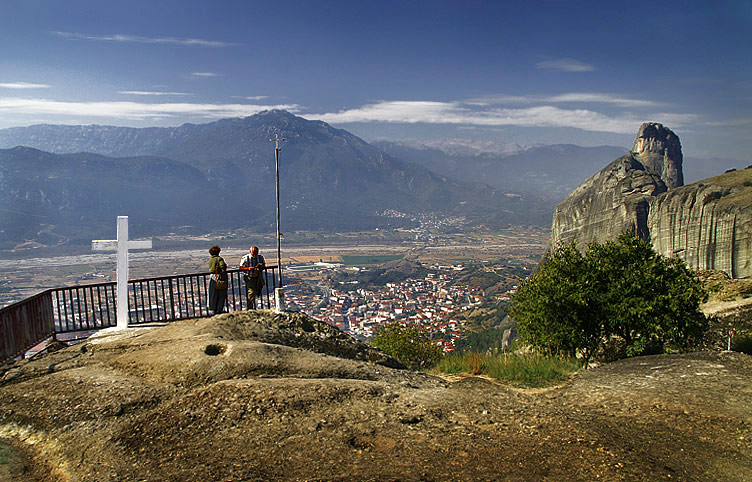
{"type": "Point", "coordinates": [742, 343]}
{"type": "Point", "coordinates": [408, 344]}
{"type": "Point", "coordinates": [483, 341]}
{"type": "Point", "coordinates": [747, 183]}
{"type": "Point", "coordinates": [6, 453]}
{"type": "Point", "coordinates": [713, 196]}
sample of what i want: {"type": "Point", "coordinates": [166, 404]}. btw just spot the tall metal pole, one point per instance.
{"type": "Point", "coordinates": [279, 292]}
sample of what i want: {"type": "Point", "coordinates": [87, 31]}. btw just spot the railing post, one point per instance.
{"type": "Point", "coordinates": [52, 317]}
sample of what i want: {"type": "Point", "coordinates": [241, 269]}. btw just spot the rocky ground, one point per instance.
{"type": "Point", "coordinates": [256, 396]}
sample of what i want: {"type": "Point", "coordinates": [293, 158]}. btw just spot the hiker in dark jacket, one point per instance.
{"type": "Point", "coordinates": [218, 270]}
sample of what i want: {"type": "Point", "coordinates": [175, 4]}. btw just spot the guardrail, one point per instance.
{"type": "Point", "coordinates": [92, 307]}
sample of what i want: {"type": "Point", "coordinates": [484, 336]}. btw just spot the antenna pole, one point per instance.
{"type": "Point", "coordinates": [279, 292]}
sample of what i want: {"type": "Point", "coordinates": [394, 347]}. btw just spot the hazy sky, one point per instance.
{"type": "Point", "coordinates": [586, 73]}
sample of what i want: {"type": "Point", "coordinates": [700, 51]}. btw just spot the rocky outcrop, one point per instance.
{"type": "Point", "coordinates": [612, 201]}
{"type": "Point", "coordinates": [708, 224]}
{"type": "Point", "coordinates": [617, 198]}
{"type": "Point", "coordinates": [227, 398]}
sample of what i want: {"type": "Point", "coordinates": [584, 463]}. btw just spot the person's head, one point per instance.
{"type": "Point", "coordinates": [214, 250]}
{"type": "Point", "coordinates": [254, 250]}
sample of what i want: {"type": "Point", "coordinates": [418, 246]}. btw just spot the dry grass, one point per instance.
{"type": "Point", "coordinates": [721, 288]}
{"type": "Point", "coordinates": [527, 370]}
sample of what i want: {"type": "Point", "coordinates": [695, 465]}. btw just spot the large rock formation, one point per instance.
{"type": "Point", "coordinates": [708, 224]}
{"type": "Point", "coordinates": [617, 198]}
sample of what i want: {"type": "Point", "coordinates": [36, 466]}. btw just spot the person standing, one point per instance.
{"type": "Point", "coordinates": [253, 264]}
{"type": "Point", "coordinates": [218, 270]}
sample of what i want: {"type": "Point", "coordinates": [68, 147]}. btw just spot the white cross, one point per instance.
{"type": "Point", "coordinates": [121, 245]}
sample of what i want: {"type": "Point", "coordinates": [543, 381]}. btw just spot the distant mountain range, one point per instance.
{"type": "Point", "coordinates": [50, 198]}
{"type": "Point", "coordinates": [551, 171]}
{"type": "Point", "coordinates": [222, 174]}
{"type": "Point", "coordinates": [548, 170]}
{"type": "Point", "coordinates": [67, 183]}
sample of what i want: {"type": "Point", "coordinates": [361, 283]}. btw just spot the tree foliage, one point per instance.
{"type": "Point", "coordinates": [617, 291]}
{"type": "Point", "coordinates": [408, 344]}
{"type": "Point", "coordinates": [488, 340]}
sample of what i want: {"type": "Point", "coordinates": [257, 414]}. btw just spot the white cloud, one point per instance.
{"type": "Point", "coordinates": [504, 99]}
{"type": "Point", "coordinates": [572, 97]}
{"type": "Point", "coordinates": [565, 65]}
{"type": "Point", "coordinates": [131, 110]}
{"type": "Point", "coordinates": [257, 97]}
{"type": "Point", "coordinates": [601, 98]}
{"type": "Point", "coordinates": [400, 111]}
{"type": "Point", "coordinates": [411, 112]}
{"type": "Point", "coordinates": [406, 112]}
{"type": "Point", "coordinates": [739, 122]}
{"type": "Point", "coordinates": [145, 40]}
{"type": "Point", "coordinates": [673, 119]}
{"type": "Point", "coordinates": [143, 92]}
{"type": "Point", "coordinates": [23, 85]}
{"type": "Point", "coordinates": [204, 74]}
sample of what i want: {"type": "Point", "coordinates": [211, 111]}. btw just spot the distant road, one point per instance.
{"type": "Point", "coordinates": [164, 257]}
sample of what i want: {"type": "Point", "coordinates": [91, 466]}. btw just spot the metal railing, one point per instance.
{"type": "Point", "coordinates": [92, 307]}
{"type": "Point", "coordinates": [24, 324]}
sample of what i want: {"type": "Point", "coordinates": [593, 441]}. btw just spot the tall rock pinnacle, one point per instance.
{"type": "Point", "coordinates": [617, 198]}
{"type": "Point", "coordinates": [659, 150]}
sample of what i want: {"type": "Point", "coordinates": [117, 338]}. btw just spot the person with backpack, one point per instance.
{"type": "Point", "coordinates": [253, 264]}
{"type": "Point", "coordinates": [218, 282]}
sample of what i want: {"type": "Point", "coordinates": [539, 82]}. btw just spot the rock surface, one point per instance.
{"type": "Point", "coordinates": [708, 224]}
{"type": "Point", "coordinates": [237, 397]}
{"type": "Point", "coordinates": [659, 150]}
{"type": "Point", "coordinates": [614, 200]}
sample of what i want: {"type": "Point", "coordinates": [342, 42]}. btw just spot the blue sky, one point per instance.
{"type": "Point", "coordinates": [586, 73]}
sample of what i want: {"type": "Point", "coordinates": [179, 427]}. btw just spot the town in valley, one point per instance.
{"type": "Point", "coordinates": [445, 283]}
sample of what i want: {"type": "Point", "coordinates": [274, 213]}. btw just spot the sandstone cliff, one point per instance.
{"type": "Point", "coordinates": [708, 224]}
{"type": "Point", "coordinates": [612, 201]}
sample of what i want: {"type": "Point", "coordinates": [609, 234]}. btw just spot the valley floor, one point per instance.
{"type": "Point", "coordinates": [26, 274]}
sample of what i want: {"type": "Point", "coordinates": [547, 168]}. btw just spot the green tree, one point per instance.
{"type": "Point", "coordinates": [554, 308]}
{"type": "Point", "coordinates": [647, 300]}
{"type": "Point", "coordinates": [620, 289]}
{"type": "Point", "coordinates": [408, 344]}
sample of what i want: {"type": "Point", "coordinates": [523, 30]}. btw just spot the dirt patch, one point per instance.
{"type": "Point", "coordinates": [217, 399]}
